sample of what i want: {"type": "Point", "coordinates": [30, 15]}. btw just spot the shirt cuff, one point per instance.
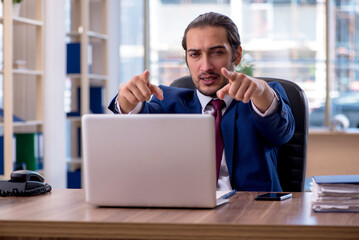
{"type": "Point", "coordinates": [272, 108]}
{"type": "Point", "coordinates": [136, 110]}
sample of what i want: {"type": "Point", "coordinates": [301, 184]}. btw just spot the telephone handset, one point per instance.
{"type": "Point", "coordinates": [24, 183]}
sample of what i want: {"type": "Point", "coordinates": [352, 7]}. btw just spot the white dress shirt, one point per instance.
{"type": "Point", "coordinates": [224, 182]}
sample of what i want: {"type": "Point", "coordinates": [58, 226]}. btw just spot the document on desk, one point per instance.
{"type": "Point", "coordinates": [337, 193]}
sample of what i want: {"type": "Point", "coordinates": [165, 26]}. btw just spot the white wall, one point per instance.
{"type": "Point", "coordinates": [54, 118]}
{"type": "Point", "coordinates": [113, 28]}
{"type": "Point", "coordinates": [332, 153]}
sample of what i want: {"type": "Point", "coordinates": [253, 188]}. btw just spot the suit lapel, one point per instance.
{"type": "Point", "coordinates": [195, 105]}
{"type": "Point", "coordinates": [228, 132]}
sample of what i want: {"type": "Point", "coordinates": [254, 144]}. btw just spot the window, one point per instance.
{"type": "Point", "coordinates": [131, 38]}
{"type": "Point", "coordinates": [344, 86]}
{"type": "Point", "coordinates": [284, 39]}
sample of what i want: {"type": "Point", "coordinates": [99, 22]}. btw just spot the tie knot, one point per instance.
{"type": "Point", "coordinates": [218, 104]}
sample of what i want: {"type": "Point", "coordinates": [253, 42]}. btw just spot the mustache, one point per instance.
{"type": "Point", "coordinates": [208, 73]}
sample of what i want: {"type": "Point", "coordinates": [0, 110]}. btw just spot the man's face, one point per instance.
{"type": "Point", "coordinates": [208, 50]}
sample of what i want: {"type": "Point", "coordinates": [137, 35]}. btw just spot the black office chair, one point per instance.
{"type": "Point", "coordinates": [292, 156]}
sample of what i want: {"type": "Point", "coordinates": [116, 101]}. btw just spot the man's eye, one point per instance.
{"type": "Point", "coordinates": [218, 52]}
{"type": "Point", "coordinates": [194, 55]}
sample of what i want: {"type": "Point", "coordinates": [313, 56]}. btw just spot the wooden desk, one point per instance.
{"type": "Point", "coordinates": [63, 213]}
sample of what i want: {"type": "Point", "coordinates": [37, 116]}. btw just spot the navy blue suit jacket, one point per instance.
{"type": "Point", "coordinates": [250, 141]}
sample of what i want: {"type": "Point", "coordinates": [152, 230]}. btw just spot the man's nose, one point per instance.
{"type": "Point", "coordinates": [206, 64]}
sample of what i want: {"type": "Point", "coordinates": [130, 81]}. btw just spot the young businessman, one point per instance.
{"type": "Point", "coordinates": [256, 120]}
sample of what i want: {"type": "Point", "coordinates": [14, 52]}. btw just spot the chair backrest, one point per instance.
{"type": "Point", "coordinates": [292, 156]}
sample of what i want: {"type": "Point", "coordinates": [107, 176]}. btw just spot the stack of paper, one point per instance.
{"type": "Point", "coordinates": [338, 193]}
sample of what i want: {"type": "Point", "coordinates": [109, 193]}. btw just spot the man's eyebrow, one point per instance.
{"type": "Point", "coordinates": [215, 47]}
{"type": "Point", "coordinates": [211, 48]}
{"type": "Point", "coordinates": [193, 50]}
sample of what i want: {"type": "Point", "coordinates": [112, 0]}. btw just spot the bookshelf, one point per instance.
{"type": "Point", "coordinates": [88, 38]}
{"type": "Point", "coordinates": [23, 87]}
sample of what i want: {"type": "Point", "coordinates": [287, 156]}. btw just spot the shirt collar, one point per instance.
{"type": "Point", "coordinates": [204, 100]}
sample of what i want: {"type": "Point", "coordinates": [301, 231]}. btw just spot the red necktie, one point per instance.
{"type": "Point", "coordinates": [218, 105]}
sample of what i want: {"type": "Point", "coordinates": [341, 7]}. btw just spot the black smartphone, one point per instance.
{"type": "Point", "coordinates": [273, 196]}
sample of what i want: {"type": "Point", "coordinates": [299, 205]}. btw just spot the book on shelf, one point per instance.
{"type": "Point", "coordinates": [1, 155]}
{"type": "Point", "coordinates": [73, 63]}
{"type": "Point", "coordinates": [2, 166]}
{"type": "Point", "coordinates": [25, 150]}
{"type": "Point", "coordinates": [335, 193]}
{"type": "Point", "coordinates": [39, 150]}
{"type": "Point", "coordinates": [96, 102]}
{"type": "Point", "coordinates": [28, 151]}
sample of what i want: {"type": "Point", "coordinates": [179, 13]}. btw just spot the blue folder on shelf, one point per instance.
{"type": "Point", "coordinates": [73, 62]}
{"type": "Point", "coordinates": [96, 102]}
{"type": "Point", "coordinates": [1, 155]}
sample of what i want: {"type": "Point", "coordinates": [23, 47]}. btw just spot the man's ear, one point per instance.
{"type": "Point", "coordinates": [185, 58]}
{"type": "Point", "coordinates": [238, 55]}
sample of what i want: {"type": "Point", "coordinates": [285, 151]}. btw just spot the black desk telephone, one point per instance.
{"type": "Point", "coordinates": [24, 183]}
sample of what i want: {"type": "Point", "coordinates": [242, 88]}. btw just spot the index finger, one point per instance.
{"type": "Point", "coordinates": [157, 91]}
{"type": "Point", "coordinates": [228, 74]}
{"type": "Point", "coordinates": [145, 76]}
{"type": "Point", "coordinates": [223, 91]}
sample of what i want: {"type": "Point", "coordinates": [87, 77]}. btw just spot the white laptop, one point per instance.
{"type": "Point", "coordinates": [150, 160]}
